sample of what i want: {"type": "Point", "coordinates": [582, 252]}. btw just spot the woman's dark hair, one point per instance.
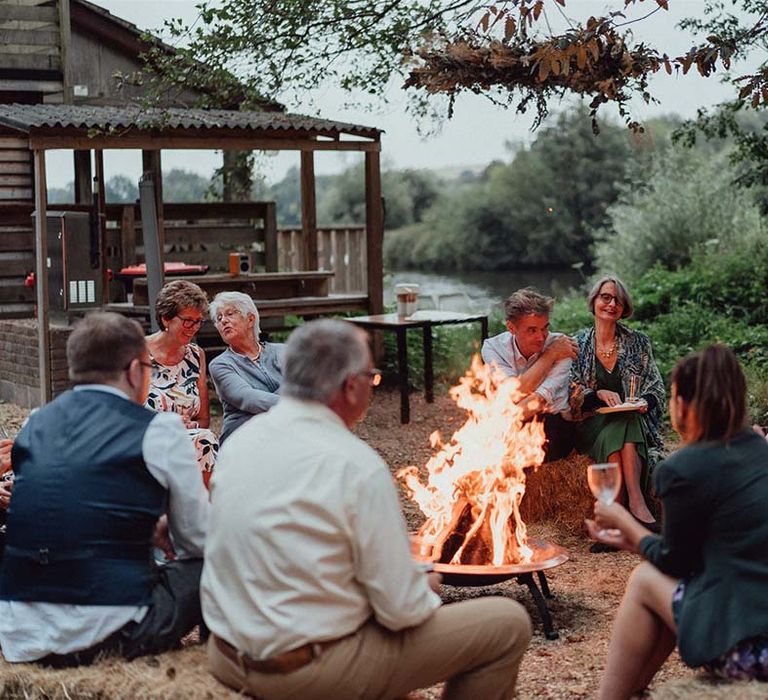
{"type": "Point", "coordinates": [712, 383]}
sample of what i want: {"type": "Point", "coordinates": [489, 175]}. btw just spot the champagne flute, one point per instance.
{"type": "Point", "coordinates": [632, 393]}
{"type": "Point", "coordinates": [605, 482]}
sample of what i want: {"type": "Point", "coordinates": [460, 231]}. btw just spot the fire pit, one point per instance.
{"type": "Point", "coordinates": [546, 556]}
{"type": "Point", "coordinates": [473, 533]}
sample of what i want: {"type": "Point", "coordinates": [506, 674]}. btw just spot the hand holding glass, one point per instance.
{"type": "Point", "coordinates": [605, 482]}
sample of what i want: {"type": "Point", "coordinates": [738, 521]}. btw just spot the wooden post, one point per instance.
{"type": "Point", "coordinates": [270, 238]}
{"type": "Point", "coordinates": [101, 214]}
{"type": "Point", "coordinates": [83, 178]}
{"type": "Point", "coordinates": [41, 279]}
{"type": "Point", "coordinates": [374, 230]}
{"type": "Point", "coordinates": [151, 163]}
{"type": "Point", "coordinates": [128, 236]}
{"type": "Point", "coordinates": [237, 178]}
{"type": "Point", "coordinates": [65, 34]}
{"type": "Point", "coordinates": [308, 210]}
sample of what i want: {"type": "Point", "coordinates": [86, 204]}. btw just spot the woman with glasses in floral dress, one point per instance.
{"type": "Point", "coordinates": [613, 363]}
{"type": "Point", "coordinates": [248, 374]}
{"type": "Point", "coordinates": [179, 381]}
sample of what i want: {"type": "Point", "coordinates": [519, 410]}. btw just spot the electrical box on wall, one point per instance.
{"type": "Point", "coordinates": [74, 262]}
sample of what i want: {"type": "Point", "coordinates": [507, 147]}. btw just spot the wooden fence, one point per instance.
{"type": "Point", "coordinates": [340, 250]}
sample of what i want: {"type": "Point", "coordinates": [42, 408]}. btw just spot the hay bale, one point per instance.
{"type": "Point", "coordinates": [704, 687]}
{"type": "Point", "coordinates": [557, 492]}
{"type": "Point", "coordinates": [176, 675]}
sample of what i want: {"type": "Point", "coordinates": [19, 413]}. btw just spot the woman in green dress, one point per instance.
{"type": "Point", "coordinates": [611, 357]}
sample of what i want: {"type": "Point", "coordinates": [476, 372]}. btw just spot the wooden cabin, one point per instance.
{"type": "Point", "coordinates": [28, 131]}
{"type": "Point", "coordinates": [57, 91]}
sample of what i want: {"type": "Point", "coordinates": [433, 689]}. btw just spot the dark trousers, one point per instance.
{"type": "Point", "coordinates": [173, 613]}
{"type": "Point", "coordinates": [561, 435]}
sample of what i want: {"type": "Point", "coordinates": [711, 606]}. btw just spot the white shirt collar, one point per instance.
{"type": "Point", "coordinates": [304, 408]}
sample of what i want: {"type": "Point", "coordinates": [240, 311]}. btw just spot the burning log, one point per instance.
{"type": "Point", "coordinates": [476, 481]}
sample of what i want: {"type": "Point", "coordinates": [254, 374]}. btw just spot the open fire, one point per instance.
{"type": "Point", "coordinates": [475, 482]}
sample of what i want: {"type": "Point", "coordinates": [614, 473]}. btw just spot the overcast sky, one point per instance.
{"type": "Point", "coordinates": [478, 131]}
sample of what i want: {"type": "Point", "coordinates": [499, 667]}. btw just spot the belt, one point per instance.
{"type": "Point", "coordinates": [287, 662]}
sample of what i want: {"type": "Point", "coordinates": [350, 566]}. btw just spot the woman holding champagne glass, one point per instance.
{"type": "Point", "coordinates": [615, 370]}
{"type": "Point", "coordinates": [703, 584]}
{"type": "Point", "coordinates": [179, 381]}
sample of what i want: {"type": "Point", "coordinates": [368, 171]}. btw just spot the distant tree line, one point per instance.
{"type": "Point", "coordinates": [616, 200]}
{"type": "Point", "coordinates": [178, 186]}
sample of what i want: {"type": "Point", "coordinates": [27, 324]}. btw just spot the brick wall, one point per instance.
{"type": "Point", "coordinates": [19, 376]}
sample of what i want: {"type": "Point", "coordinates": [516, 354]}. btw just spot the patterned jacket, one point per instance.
{"type": "Point", "coordinates": [635, 357]}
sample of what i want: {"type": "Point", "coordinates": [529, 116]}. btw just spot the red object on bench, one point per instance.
{"type": "Point", "coordinates": [171, 268]}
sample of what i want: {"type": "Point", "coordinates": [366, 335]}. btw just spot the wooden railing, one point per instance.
{"type": "Point", "coordinates": [340, 250]}
{"type": "Point", "coordinates": [195, 233]}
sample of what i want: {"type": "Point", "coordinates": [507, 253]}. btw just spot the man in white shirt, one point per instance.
{"type": "Point", "coordinates": [308, 586]}
{"type": "Point", "coordinates": [541, 361]}
{"type": "Point", "coordinates": [97, 475]}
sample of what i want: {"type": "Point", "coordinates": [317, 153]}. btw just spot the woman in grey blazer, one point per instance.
{"type": "Point", "coordinates": [704, 585]}
{"type": "Point", "coordinates": [248, 374]}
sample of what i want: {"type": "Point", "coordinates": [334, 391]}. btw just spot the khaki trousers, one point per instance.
{"type": "Point", "coordinates": [477, 646]}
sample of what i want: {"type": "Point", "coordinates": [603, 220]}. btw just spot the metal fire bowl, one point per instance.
{"type": "Point", "coordinates": [545, 556]}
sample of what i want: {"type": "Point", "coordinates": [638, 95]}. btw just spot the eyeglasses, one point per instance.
{"type": "Point", "coordinates": [148, 365]}
{"type": "Point", "coordinates": [608, 298]}
{"type": "Point", "coordinates": [374, 376]}
{"type": "Point", "coordinates": [190, 323]}
{"type": "Point", "coordinates": [227, 314]}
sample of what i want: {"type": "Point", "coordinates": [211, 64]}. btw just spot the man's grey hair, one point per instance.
{"type": "Point", "coordinates": [242, 302]}
{"type": "Point", "coordinates": [525, 302]}
{"type": "Point", "coordinates": [102, 346]}
{"type": "Point", "coordinates": [622, 294]}
{"type": "Point", "coordinates": [320, 355]}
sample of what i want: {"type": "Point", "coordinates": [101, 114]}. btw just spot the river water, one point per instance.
{"type": "Point", "coordinates": [478, 292]}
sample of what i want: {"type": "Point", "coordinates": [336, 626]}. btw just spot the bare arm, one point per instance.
{"type": "Point", "coordinates": [561, 348]}
{"type": "Point", "coordinates": [6, 444]}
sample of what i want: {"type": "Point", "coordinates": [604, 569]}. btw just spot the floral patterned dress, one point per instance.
{"type": "Point", "coordinates": [174, 388]}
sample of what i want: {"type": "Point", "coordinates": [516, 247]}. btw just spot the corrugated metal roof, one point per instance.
{"type": "Point", "coordinates": [83, 117]}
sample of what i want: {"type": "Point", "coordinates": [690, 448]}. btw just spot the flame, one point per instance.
{"type": "Point", "coordinates": [480, 471]}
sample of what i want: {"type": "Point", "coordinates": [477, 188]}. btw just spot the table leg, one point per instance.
{"type": "Point", "coordinates": [429, 375]}
{"type": "Point", "coordinates": [402, 366]}
{"type": "Point", "coordinates": [483, 329]}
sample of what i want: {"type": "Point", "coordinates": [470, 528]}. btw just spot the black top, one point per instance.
{"type": "Point", "coordinates": [715, 535]}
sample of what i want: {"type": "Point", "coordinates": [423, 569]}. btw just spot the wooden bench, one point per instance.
{"type": "Point", "coordinates": [261, 286]}
{"type": "Point", "coordinates": [197, 233]}
{"type": "Point", "coordinates": [272, 313]}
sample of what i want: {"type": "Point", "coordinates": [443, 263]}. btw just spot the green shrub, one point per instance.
{"type": "Point", "coordinates": [757, 394]}
{"type": "Point", "coordinates": [733, 283]}
{"type": "Point", "coordinates": [452, 350]}
{"type": "Point", "coordinates": [571, 313]}
{"type": "Point", "coordinates": [685, 203]}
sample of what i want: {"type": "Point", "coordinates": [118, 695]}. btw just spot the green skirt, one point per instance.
{"type": "Point", "coordinates": [604, 434]}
